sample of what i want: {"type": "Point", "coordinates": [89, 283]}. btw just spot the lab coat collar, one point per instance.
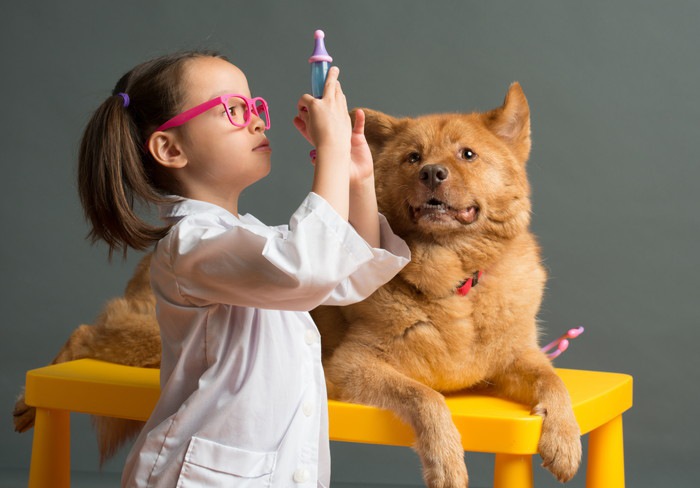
{"type": "Point", "coordinates": [179, 207]}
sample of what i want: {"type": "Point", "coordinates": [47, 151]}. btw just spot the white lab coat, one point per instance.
{"type": "Point", "coordinates": [243, 399]}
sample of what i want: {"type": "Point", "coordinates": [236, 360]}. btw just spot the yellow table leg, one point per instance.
{"type": "Point", "coordinates": [50, 465]}
{"type": "Point", "coordinates": [606, 456]}
{"type": "Point", "coordinates": [513, 471]}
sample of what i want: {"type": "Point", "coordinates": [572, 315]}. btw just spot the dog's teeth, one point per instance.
{"type": "Point", "coordinates": [434, 204]}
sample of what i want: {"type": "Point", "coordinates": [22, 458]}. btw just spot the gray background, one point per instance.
{"type": "Point", "coordinates": [615, 114]}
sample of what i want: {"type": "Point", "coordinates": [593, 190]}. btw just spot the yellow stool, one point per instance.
{"type": "Point", "coordinates": [486, 424]}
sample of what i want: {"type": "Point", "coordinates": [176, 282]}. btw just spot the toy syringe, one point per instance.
{"type": "Point", "coordinates": [320, 63]}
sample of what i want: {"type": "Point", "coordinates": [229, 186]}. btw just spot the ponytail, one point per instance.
{"type": "Point", "coordinates": [115, 171]}
{"type": "Point", "coordinates": [112, 178]}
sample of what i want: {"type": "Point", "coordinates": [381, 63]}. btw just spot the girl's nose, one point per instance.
{"type": "Point", "coordinates": [257, 124]}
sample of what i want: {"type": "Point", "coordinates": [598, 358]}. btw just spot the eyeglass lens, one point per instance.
{"type": "Point", "coordinates": [239, 113]}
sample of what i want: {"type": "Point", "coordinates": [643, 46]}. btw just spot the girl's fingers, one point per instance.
{"type": "Point", "coordinates": [331, 82]}
{"type": "Point", "coordinates": [304, 102]}
{"type": "Point", "coordinates": [301, 120]}
{"type": "Point", "coordinates": [301, 126]}
{"type": "Point", "coordinates": [359, 127]}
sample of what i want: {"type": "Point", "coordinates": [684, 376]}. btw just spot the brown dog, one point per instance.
{"type": "Point", "coordinates": [455, 188]}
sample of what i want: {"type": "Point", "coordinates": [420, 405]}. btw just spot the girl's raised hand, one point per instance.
{"type": "Point", "coordinates": [362, 165]}
{"type": "Point", "coordinates": [325, 121]}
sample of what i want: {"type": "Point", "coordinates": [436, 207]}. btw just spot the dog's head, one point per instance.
{"type": "Point", "coordinates": [454, 176]}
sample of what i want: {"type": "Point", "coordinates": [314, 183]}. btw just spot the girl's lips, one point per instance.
{"type": "Point", "coordinates": [264, 146]}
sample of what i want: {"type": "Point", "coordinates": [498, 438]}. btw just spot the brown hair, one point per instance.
{"type": "Point", "coordinates": [115, 170]}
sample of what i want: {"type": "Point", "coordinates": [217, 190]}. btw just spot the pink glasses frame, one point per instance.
{"type": "Point", "coordinates": [223, 99]}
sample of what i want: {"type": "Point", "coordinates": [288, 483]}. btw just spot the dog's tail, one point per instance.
{"type": "Point", "coordinates": [113, 433]}
{"type": "Point", "coordinates": [126, 332]}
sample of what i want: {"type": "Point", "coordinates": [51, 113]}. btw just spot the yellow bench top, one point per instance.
{"type": "Point", "coordinates": [487, 424]}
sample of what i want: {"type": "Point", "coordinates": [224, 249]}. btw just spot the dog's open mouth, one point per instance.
{"type": "Point", "coordinates": [438, 211]}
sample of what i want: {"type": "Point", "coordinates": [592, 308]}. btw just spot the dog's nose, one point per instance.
{"type": "Point", "coordinates": [432, 175]}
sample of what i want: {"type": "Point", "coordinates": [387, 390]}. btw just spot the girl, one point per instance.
{"type": "Point", "coordinates": [243, 399]}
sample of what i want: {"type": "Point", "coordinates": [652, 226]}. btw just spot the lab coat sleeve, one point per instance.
{"type": "Point", "coordinates": [258, 266]}
{"type": "Point", "coordinates": [387, 260]}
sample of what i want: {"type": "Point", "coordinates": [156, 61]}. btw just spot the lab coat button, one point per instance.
{"type": "Point", "coordinates": [308, 409]}
{"type": "Point", "coordinates": [301, 475]}
{"type": "Point", "coordinates": [310, 337]}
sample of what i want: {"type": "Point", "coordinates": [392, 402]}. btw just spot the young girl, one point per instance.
{"type": "Point", "coordinates": [243, 399]}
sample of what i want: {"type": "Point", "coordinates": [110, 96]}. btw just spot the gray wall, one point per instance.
{"type": "Point", "coordinates": [613, 93]}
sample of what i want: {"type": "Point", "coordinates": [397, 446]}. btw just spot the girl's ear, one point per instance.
{"type": "Point", "coordinates": [166, 150]}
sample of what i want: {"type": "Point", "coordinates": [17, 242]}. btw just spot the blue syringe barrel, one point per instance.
{"type": "Point", "coordinates": [320, 64]}
{"type": "Point", "coordinates": [319, 71]}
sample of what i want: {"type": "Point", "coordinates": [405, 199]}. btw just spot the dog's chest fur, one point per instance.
{"type": "Point", "coordinates": [436, 336]}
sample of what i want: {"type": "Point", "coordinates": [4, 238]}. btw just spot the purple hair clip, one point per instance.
{"type": "Point", "coordinates": [125, 97]}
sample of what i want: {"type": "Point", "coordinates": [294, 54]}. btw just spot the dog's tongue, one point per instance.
{"type": "Point", "coordinates": [466, 216]}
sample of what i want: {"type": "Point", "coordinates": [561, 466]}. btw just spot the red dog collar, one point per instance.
{"type": "Point", "coordinates": [466, 285]}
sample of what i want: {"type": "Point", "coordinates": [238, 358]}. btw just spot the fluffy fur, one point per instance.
{"type": "Point", "coordinates": [454, 186]}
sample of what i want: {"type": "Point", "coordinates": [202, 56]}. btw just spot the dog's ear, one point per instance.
{"type": "Point", "coordinates": [511, 122]}
{"type": "Point", "coordinates": [379, 127]}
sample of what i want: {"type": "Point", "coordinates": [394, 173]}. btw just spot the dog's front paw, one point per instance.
{"type": "Point", "coordinates": [447, 475]}
{"type": "Point", "coordinates": [443, 464]}
{"type": "Point", "coordinates": [560, 443]}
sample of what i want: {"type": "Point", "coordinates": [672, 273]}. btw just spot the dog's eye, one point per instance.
{"type": "Point", "coordinates": [413, 157]}
{"type": "Point", "coordinates": [467, 154]}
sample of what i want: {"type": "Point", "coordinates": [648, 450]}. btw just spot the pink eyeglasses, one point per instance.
{"type": "Point", "coordinates": [238, 109]}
